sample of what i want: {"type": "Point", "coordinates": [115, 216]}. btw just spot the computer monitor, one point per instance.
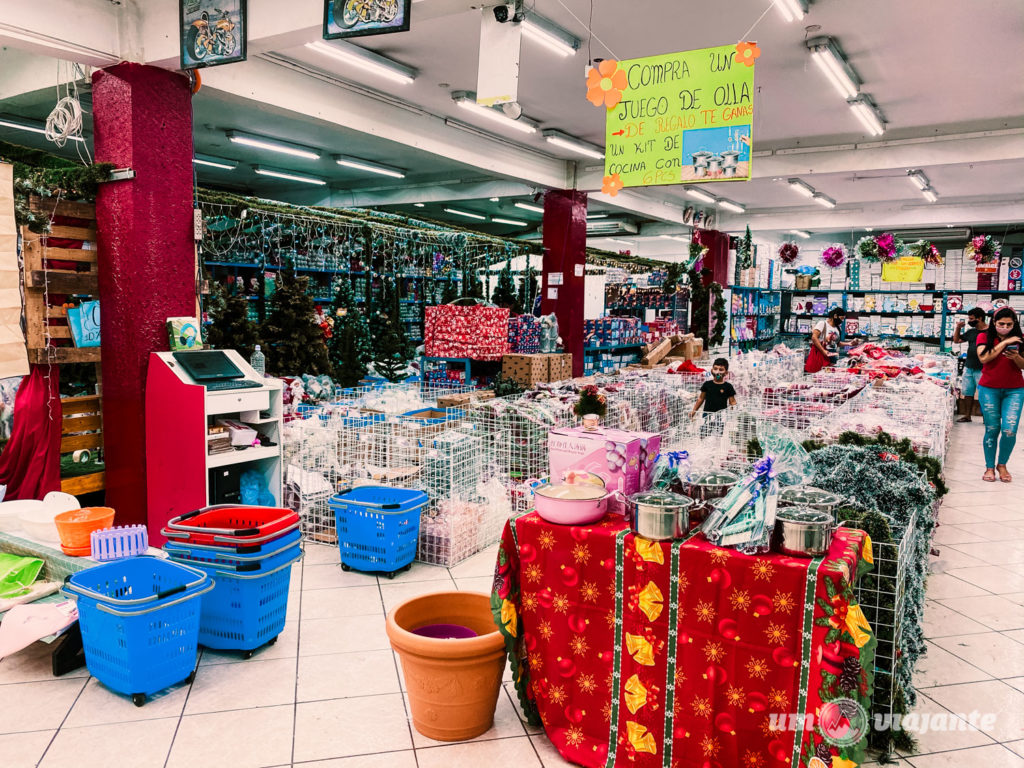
{"type": "Point", "coordinates": [208, 365]}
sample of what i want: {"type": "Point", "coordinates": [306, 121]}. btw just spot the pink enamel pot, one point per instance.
{"type": "Point", "coordinates": [571, 504]}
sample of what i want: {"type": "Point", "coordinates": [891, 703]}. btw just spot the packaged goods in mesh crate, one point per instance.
{"type": "Point", "coordinates": [524, 334]}
{"type": "Point", "coordinates": [457, 528]}
{"type": "Point", "coordinates": [476, 332]}
{"type": "Point", "coordinates": [454, 464]}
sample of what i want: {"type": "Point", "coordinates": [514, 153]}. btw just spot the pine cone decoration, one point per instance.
{"type": "Point", "coordinates": [824, 752]}
{"type": "Point", "coordinates": [849, 679]}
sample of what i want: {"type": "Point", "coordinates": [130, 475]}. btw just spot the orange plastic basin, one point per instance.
{"type": "Point", "coordinates": [76, 525]}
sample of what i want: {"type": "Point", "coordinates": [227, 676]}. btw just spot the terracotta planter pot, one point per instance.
{"type": "Point", "coordinates": [453, 684]}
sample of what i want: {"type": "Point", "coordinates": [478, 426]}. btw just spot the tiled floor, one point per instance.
{"type": "Point", "coordinates": [329, 694]}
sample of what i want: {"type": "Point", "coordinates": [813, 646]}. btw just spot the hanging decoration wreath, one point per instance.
{"type": "Point", "coordinates": [788, 253]}
{"type": "Point", "coordinates": [882, 248]}
{"type": "Point", "coordinates": [982, 249]}
{"type": "Point", "coordinates": [834, 256]}
{"type": "Point", "coordinates": [923, 249]}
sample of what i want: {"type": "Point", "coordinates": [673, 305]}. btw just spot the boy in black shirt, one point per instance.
{"type": "Point", "coordinates": [716, 393]}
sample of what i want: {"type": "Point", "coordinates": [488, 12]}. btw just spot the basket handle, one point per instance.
{"type": "Point", "coordinates": [107, 609]}
{"type": "Point", "coordinates": [260, 540]}
{"type": "Point", "coordinates": [171, 591]}
{"type": "Point", "coordinates": [100, 598]}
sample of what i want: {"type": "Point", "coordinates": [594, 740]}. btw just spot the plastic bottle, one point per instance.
{"type": "Point", "coordinates": [258, 361]}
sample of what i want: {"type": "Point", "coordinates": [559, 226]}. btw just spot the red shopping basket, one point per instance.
{"type": "Point", "coordinates": [231, 525]}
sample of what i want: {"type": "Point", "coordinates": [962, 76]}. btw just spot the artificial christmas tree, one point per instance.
{"type": "Point", "coordinates": [451, 292]}
{"type": "Point", "coordinates": [505, 291]}
{"type": "Point", "coordinates": [528, 290]}
{"type": "Point", "coordinates": [293, 342]}
{"type": "Point", "coordinates": [231, 328]}
{"type": "Point", "coordinates": [391, 358]}
{"type": "Point", "coordinates": [350, 348]}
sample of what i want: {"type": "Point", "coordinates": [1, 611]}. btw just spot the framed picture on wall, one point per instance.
{"type": "Point", "coordinates": [212, 32]}
{"type": "Point", "coordinates": [358, 18]}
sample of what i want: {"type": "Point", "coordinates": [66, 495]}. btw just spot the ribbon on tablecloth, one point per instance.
{"type": "Point", "coordinates": [676, 654]}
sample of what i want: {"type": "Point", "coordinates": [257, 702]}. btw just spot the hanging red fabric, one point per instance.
{"type": "Point", "coordinates": [30, 462]}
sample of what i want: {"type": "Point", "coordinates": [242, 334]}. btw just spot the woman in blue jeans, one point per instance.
{"type": "Point", "coordinates": [1001, 390]}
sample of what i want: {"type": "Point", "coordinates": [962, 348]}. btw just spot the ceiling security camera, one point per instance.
{"type": "Point", "coordinates": [503, 13]}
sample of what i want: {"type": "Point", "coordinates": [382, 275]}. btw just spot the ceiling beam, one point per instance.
{"type": "Point", "coordinates": [86, 31]}
{"type": "Point", "coordinates": [25, 72]}
{"type": "Point", "coordinates": [921, 152]}
{"type": "Point", "coordinates": [432, 192]}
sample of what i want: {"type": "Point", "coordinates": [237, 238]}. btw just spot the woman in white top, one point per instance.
{"type": "Point", "coordinates": [825, 341]}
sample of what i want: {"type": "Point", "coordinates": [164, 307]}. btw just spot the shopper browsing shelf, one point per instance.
{"type": "Point", "coordinates": [716, 394]}
{"type": "Point", "coordinates": [1000, 390]}
{"type": "Point", "coordinates": [825, 341]}
{"type": "Point", "coordinates": [972, 365]}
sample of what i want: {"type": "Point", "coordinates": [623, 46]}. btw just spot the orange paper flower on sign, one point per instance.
{"type": "Point", "coordinates": [605, 84]}
{"type": "Point", "coordinates": [747, 52]}
{"type": "Point", "coordinates": [611, 185]}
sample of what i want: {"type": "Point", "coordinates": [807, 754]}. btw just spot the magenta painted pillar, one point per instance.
{"type": "Point", "coordinates": [565, 255]}
{"type": "Point", "coordinates": [142, 120]}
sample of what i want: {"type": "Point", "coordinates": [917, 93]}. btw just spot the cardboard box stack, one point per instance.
{"type": "Point", "coordinates": [528, 370]}
{"type": "Point", "coordinates": [476, 332]}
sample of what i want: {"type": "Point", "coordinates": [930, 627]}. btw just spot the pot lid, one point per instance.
{"type": "Point", "coordinates": [805, 494]}
{"type": "Point", "coordinates": [577, 492]}
{"type": "Point", "coordinates": [716, 477]}
{"type": "Point", "coordinates": [659, 498]}
{"type": "Point", "coordinates": [803, 515]}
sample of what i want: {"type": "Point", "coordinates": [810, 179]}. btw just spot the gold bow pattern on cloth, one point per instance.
{"type": "Point", "coordinates": [640, 738]}
{"type": "Point", "coordinates": [650, 551]}
{"type": "Point", "coordinates": [651, 601]}
{"type": "Point", "coordinates": [640, 649]}
{"type": "Point", "coordinates": [857, 625]}
{"type": "Point", "coordinates": [636, 694]}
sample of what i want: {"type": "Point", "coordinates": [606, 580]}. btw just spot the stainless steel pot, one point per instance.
{"type": "Point", "coordinates": [659, 515]}
{"type": "Point", "coordinates": [802, 532]}
{"type": "Point", "coordinates": [706, 488]}
{"type": "Point", "coordinates": [811, 498]}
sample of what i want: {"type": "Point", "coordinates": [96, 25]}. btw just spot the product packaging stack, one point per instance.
{"type": "Point", "coordinates": [529, 370]}
{"type": "Point", "coordinates": [612, 331]}
{"type": "Point", "coordinates": [524, 334]}
{"type": "Point", "coordinates": [475, 332]}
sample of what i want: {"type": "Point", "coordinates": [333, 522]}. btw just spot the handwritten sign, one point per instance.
{"type": "Point", "coordinates": [684, 117]}
{"type": "Point", "coordinates": [905, 269]}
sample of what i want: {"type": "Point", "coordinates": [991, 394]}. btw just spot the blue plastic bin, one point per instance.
{"type": "Point", "coordinates": [248, 605]}
{"type": "Point", "coordinates": [378, 527]}
{"type": "Point", "coordinates": [139, 619]}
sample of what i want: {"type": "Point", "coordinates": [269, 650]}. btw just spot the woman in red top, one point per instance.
{"type": "Point", "coordinates": [1001, 389]}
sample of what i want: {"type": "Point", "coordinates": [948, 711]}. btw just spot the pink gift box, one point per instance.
{"type": "Point", "coordinates": [624, 460]}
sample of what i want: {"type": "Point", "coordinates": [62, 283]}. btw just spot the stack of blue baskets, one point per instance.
{"type": "Point", "coordinates": [139, 619]}
{"type": "Point", "coordinates": [249, 602]}
{"type": "Point", "coordinates": [378, 527]}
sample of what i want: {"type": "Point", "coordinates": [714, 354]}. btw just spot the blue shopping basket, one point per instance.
{"type": "Point", "coordinates": [378, 527]}
{"type": "Point", "coordinates": [211, 554]}
{"type": "Point", "coordinates": [139, 619]}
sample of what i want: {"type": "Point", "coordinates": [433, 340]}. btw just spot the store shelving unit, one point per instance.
{"type": "Point", "coordinates": [753, 311]}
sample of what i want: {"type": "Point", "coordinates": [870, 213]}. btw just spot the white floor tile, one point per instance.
{"type": "Point", "coordinates": [321, 554]}
{"type": "Point", "coordinates": [476, 584]}
{"type": "Point", "coordinates": [40, 706]}
{"type": "Point", "coordinates": [950, 558]}
{"type": "Point", "coordinates": [331, 575]}
{"type": "Point", "coordinates": [991, 652]}
{"type": "Point", "coordinates": [23, 750]}
{"type": "Point", "coordinates": [995, 552]}
{"type": "Point", "coordinates": [549, 756]}
{"type": "Point", "coordinates": [404, 759]}
{"type": "Point", "coordinates": [994, 578]}
{"type": "Point", "coordinates": [953, 534]}
{"type": "Point", "coordinates": [142, 744]}
{"type": "Point", "coordinates": [352, 633]}
{"type": "Point", "coordinates": [342, 675]}
{"type": "Point", "coordinates": [246, 738]}
{"type": "Point", "coordinates": [1017, 747]}
{"type": "Point", "coordinates": [518, 752]}
{"type": "Point", "coordinates": [997, 612]}
{"type": "Point", "coordinates": [994, 756]}
{"type": "Point", "coordinates": [337, 603]}
{"type": "Point", "coordinates": [944, 740]}
{"type": "Point", "coordinates": [941, 586]}
{"type": "Point", "coordinates": [285, 648]}
{"type": "Point", "coordinates": [394, 594]}
{"type": "Point", "coordinates": [419, 572]}
{"type": "Point", "coordinates": [347, 727]}
{"type": "Point", "coordinates": [994, 531]}
{"type": "Point", "coordinates": [941, 621]}
{"type": "Point", "coordinates": [31, 664]}
{"type": "Point", "coordinates": [989, 697]}
{"type": "Point", "coordinates": [256, 683]}
{"type": "Point", "coordinates": [98, 705]}
{"type": "Point", "coordinates": [940, 667]}
{"type": "Point", "coordinates": [480, 564]}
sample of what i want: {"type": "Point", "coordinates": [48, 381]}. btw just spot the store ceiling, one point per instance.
{"type": "Point", "coordinates": [947, 74]}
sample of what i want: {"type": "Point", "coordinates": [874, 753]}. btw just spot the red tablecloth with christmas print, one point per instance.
{"type": "Point", "coordinates": [679, 654]}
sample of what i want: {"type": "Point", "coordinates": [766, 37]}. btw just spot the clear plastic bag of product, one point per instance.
{"type": "Point", "coordinates": [745, 517]}
{"type": "Point", "coordinates": [791, 462]}
{"type": "Point", "coordinates": [671, 471]}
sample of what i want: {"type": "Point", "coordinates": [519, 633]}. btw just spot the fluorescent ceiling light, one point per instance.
{"type": "Point", "coordinates": [551, 36]}
{"type": "Point", "coordinates": [791, 10]}
{"type": "Point", "coordinates": [215, 162]}
{"type": "Point", "coordinates": [675, 237]}
{"type": "Point", "coordinates": [918, 179]}
{"type": "Point", "coordinates": [801, 187]}
{"type": "Point", "coordinates": [366, 60]}
{"type": "Point", "coordinates": [700, 194]}
{"type": "Point", "coordinates": [419, 205]}
{"type": "Point", "coordinates": [467, 100]}
{"type": "Point", "coordinates": [800, 233]}
{"type": "Point", "coordinates": [513, 222]}
{"type": "Point", "coordinates": [824, 200]}
{"type": "Point", "coordinates": [528, 207]}
{"type": "Point", "coordinates": [495, 199]}
{"type": "Point", "coordinates": [273, 145]}
{"type": "Point", "coordinates": [729, 205]}
{"type": "Point", "coordinates": [467, 214]}
{"type": "Point", "coordinates": [613, 240]}
{"type": "Point", "coordinates": [597, 215]}
{"type": "Point", "coordinates": [830, 60]}
{"type": "Point", "coordinates": [930, 194]}
{"type": "Point", "coordinates": [559, 139]}
{"type": "Point", "coordinates": [366, 165]}
{"type": "Point", "coordinates": [262, 170]}
{"type": "Point", "coordinates": [27, 125]}
{"type": "Point", "coordinates": [868, 114]}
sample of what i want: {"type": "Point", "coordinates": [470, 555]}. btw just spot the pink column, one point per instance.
{"type": "Point", "coordinates": [565, 244]}
{"type": "Point", "coordinates": [142, 120]}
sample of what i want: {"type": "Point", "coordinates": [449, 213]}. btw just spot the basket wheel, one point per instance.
{"type": "Point", "coordinates": [272, 640]}
{"type": "Point", "coordinates": [248, 654]}
{"type": "Point", "coordinates": [391, 574]}
{"type": "Point", "coordinates": [191, 678]}
{"type": "Point", "coordinates": [138, 699]}
{"type": "Point", "coordinates": [345, 567]}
